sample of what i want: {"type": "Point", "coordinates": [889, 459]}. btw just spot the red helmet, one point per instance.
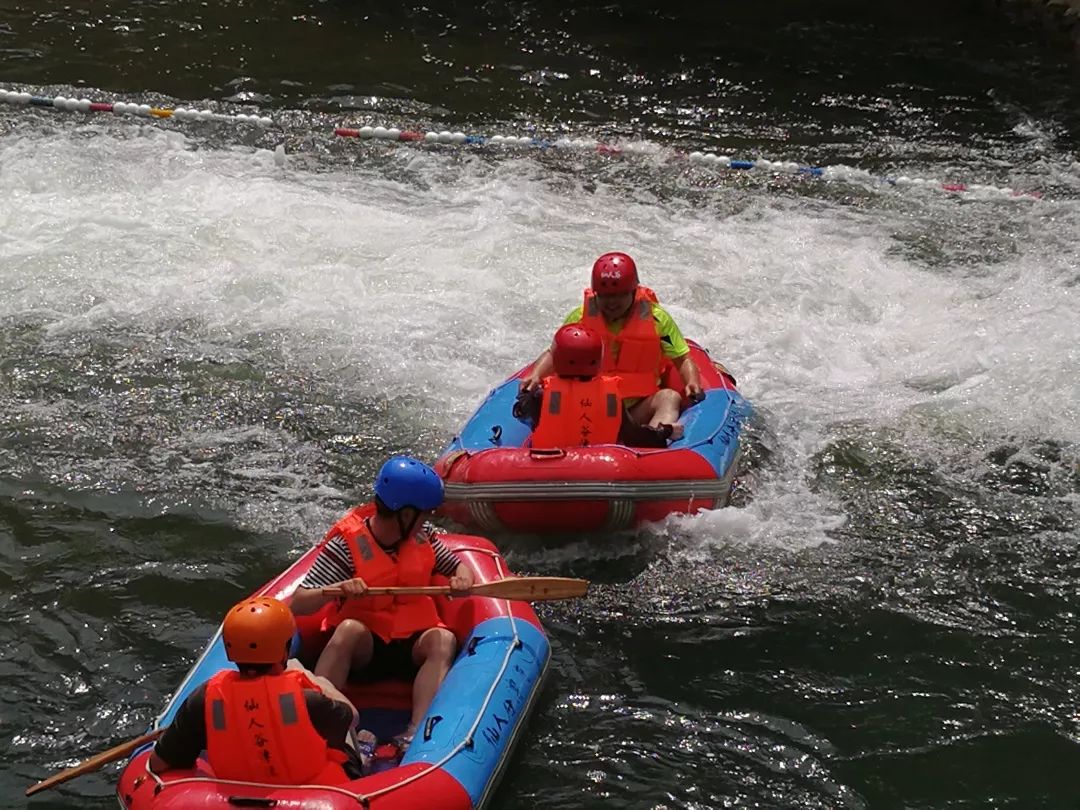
{"type": "Point", "coordinates": [614, 273]}
{"type": "Point", "coordinates": [577, 351]}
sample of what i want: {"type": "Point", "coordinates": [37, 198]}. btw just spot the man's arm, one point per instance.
{"type": "Point", "coordinates": [331, 719]}
{"type": "Point", "coordinates": [676, 349]}
{"type": "Point", "coordinates": [450, 565]}
{"type": "Point", "coordinates": [332, 568]}
{"type": "Point", "coordinates": [325, 687]}
{"type": "Point", "coordinates": [185, 738]}
{"type": "Point", "coordinates": [688, 370]}
{"type": "Point", "coordinates": [308, 599]}
{"type": "Point", "coordinates": [545, 364]}
{"type": "Point", "coordinates": [463, 579]}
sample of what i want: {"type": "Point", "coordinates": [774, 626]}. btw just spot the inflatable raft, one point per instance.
{"type": "Point", "coordinates": [495, 481]}
{"type": "Point", "coordinates": [460, 749]}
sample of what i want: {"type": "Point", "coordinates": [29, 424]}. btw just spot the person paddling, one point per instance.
{"type": "Point", "coordinates": [386, 543]}
{"type": "Point", "coordinates": [263, 722]}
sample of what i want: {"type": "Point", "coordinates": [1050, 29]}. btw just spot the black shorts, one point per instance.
{"type": "Point", "coordinates": [390, 661]}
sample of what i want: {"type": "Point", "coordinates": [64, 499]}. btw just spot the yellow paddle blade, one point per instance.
{"type": "Point", "coordinates": [533, 589]}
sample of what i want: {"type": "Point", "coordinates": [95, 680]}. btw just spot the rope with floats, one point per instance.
{"type": "Point", "coordinates": [707, 160]}
{"type": "Point", "coordinates": [85, 105]}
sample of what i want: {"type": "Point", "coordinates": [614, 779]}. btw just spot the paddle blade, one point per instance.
{"type": "Point", "coordinates": [533, 589]}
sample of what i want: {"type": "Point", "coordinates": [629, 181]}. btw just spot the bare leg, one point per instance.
{"type": "Point", "coordinates": [350, 647]}
{"type": "Point", "coordinates": [662, 408]}
{"type": "Point", "coordinates": [434, 652]}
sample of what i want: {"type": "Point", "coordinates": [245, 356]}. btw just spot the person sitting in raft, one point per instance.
{"type": "Point", "coordinates": [264, 722]}
{"type": "Point", "coordinates": [577, 406]}
{"type": "Point", "coordinates": [386, 543]}
{"type": "Point", "coordinates": [638, 334]}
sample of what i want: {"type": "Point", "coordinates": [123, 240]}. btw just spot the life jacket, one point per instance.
{"type": "Point", "coordinates": [577, 413]}
{"type": "Point", "coordinates": [258, 730]}
{"type": "Point", "coordinates": [635, 354]}
{"type": "Point", "coordinates": [388, 617]}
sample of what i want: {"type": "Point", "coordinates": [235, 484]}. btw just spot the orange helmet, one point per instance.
{"type": "Point", "coordinates": [258, 631]}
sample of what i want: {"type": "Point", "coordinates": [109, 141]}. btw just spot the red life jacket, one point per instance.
{"type": "Point", "coordinates": [388, 617]}
{"type": "Point", "coordinates": [578, 413]}
{"type": "Point", "coordinates": [258, 730]}
{"type": "Point", "coordinates": [635, 354]}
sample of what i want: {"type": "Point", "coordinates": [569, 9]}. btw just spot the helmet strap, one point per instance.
{"type": "Point", "coordinates": [402, 528]}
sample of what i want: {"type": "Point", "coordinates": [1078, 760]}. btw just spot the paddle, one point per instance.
{"type": "Point", "coordinates": [95, 762]}
{"type": "Point", "coordinates": [527, 589]}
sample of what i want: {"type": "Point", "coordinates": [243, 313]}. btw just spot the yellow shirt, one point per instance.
{"type": "Point", "coordinates": [672, 343]}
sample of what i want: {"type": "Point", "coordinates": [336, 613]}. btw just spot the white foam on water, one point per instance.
{"type": "Point", "coordinates": [440, 284]}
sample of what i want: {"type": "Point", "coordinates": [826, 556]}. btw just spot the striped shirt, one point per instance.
{"type": "Point", "coordinates": [335, 562]}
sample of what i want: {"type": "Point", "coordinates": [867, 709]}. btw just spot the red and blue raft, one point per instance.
{"type": "Point", "coordinates": [496, 481]}
{"type": "Point", "coordinates": [461, 747]}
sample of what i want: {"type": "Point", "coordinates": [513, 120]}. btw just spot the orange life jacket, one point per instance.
{"type": "Point", "coordinates": [258, 730]}
{"type": "Point", "coordinates": [635, 354]}
{"type": "Point", "coordinates": [388, 617]}
{"type": "Point", "coordinates": [577, 413]}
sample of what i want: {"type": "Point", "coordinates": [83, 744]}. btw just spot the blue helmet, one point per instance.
{"type": "Point", "coordinates": [405, 481]}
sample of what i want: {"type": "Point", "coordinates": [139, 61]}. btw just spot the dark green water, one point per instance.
{"type": "Point", "coordinates": [204, 357]}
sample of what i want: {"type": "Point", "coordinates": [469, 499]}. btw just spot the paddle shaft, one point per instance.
{"type": "Point", "coordinates": [533, 589]}
{"type": "Point", "coordinates": [95, 762]}
{"type": "Point", "coordinates": [416, 590]}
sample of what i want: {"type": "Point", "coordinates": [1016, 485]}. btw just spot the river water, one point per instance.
{"type": "Point", "coordinates": [207, 349]}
